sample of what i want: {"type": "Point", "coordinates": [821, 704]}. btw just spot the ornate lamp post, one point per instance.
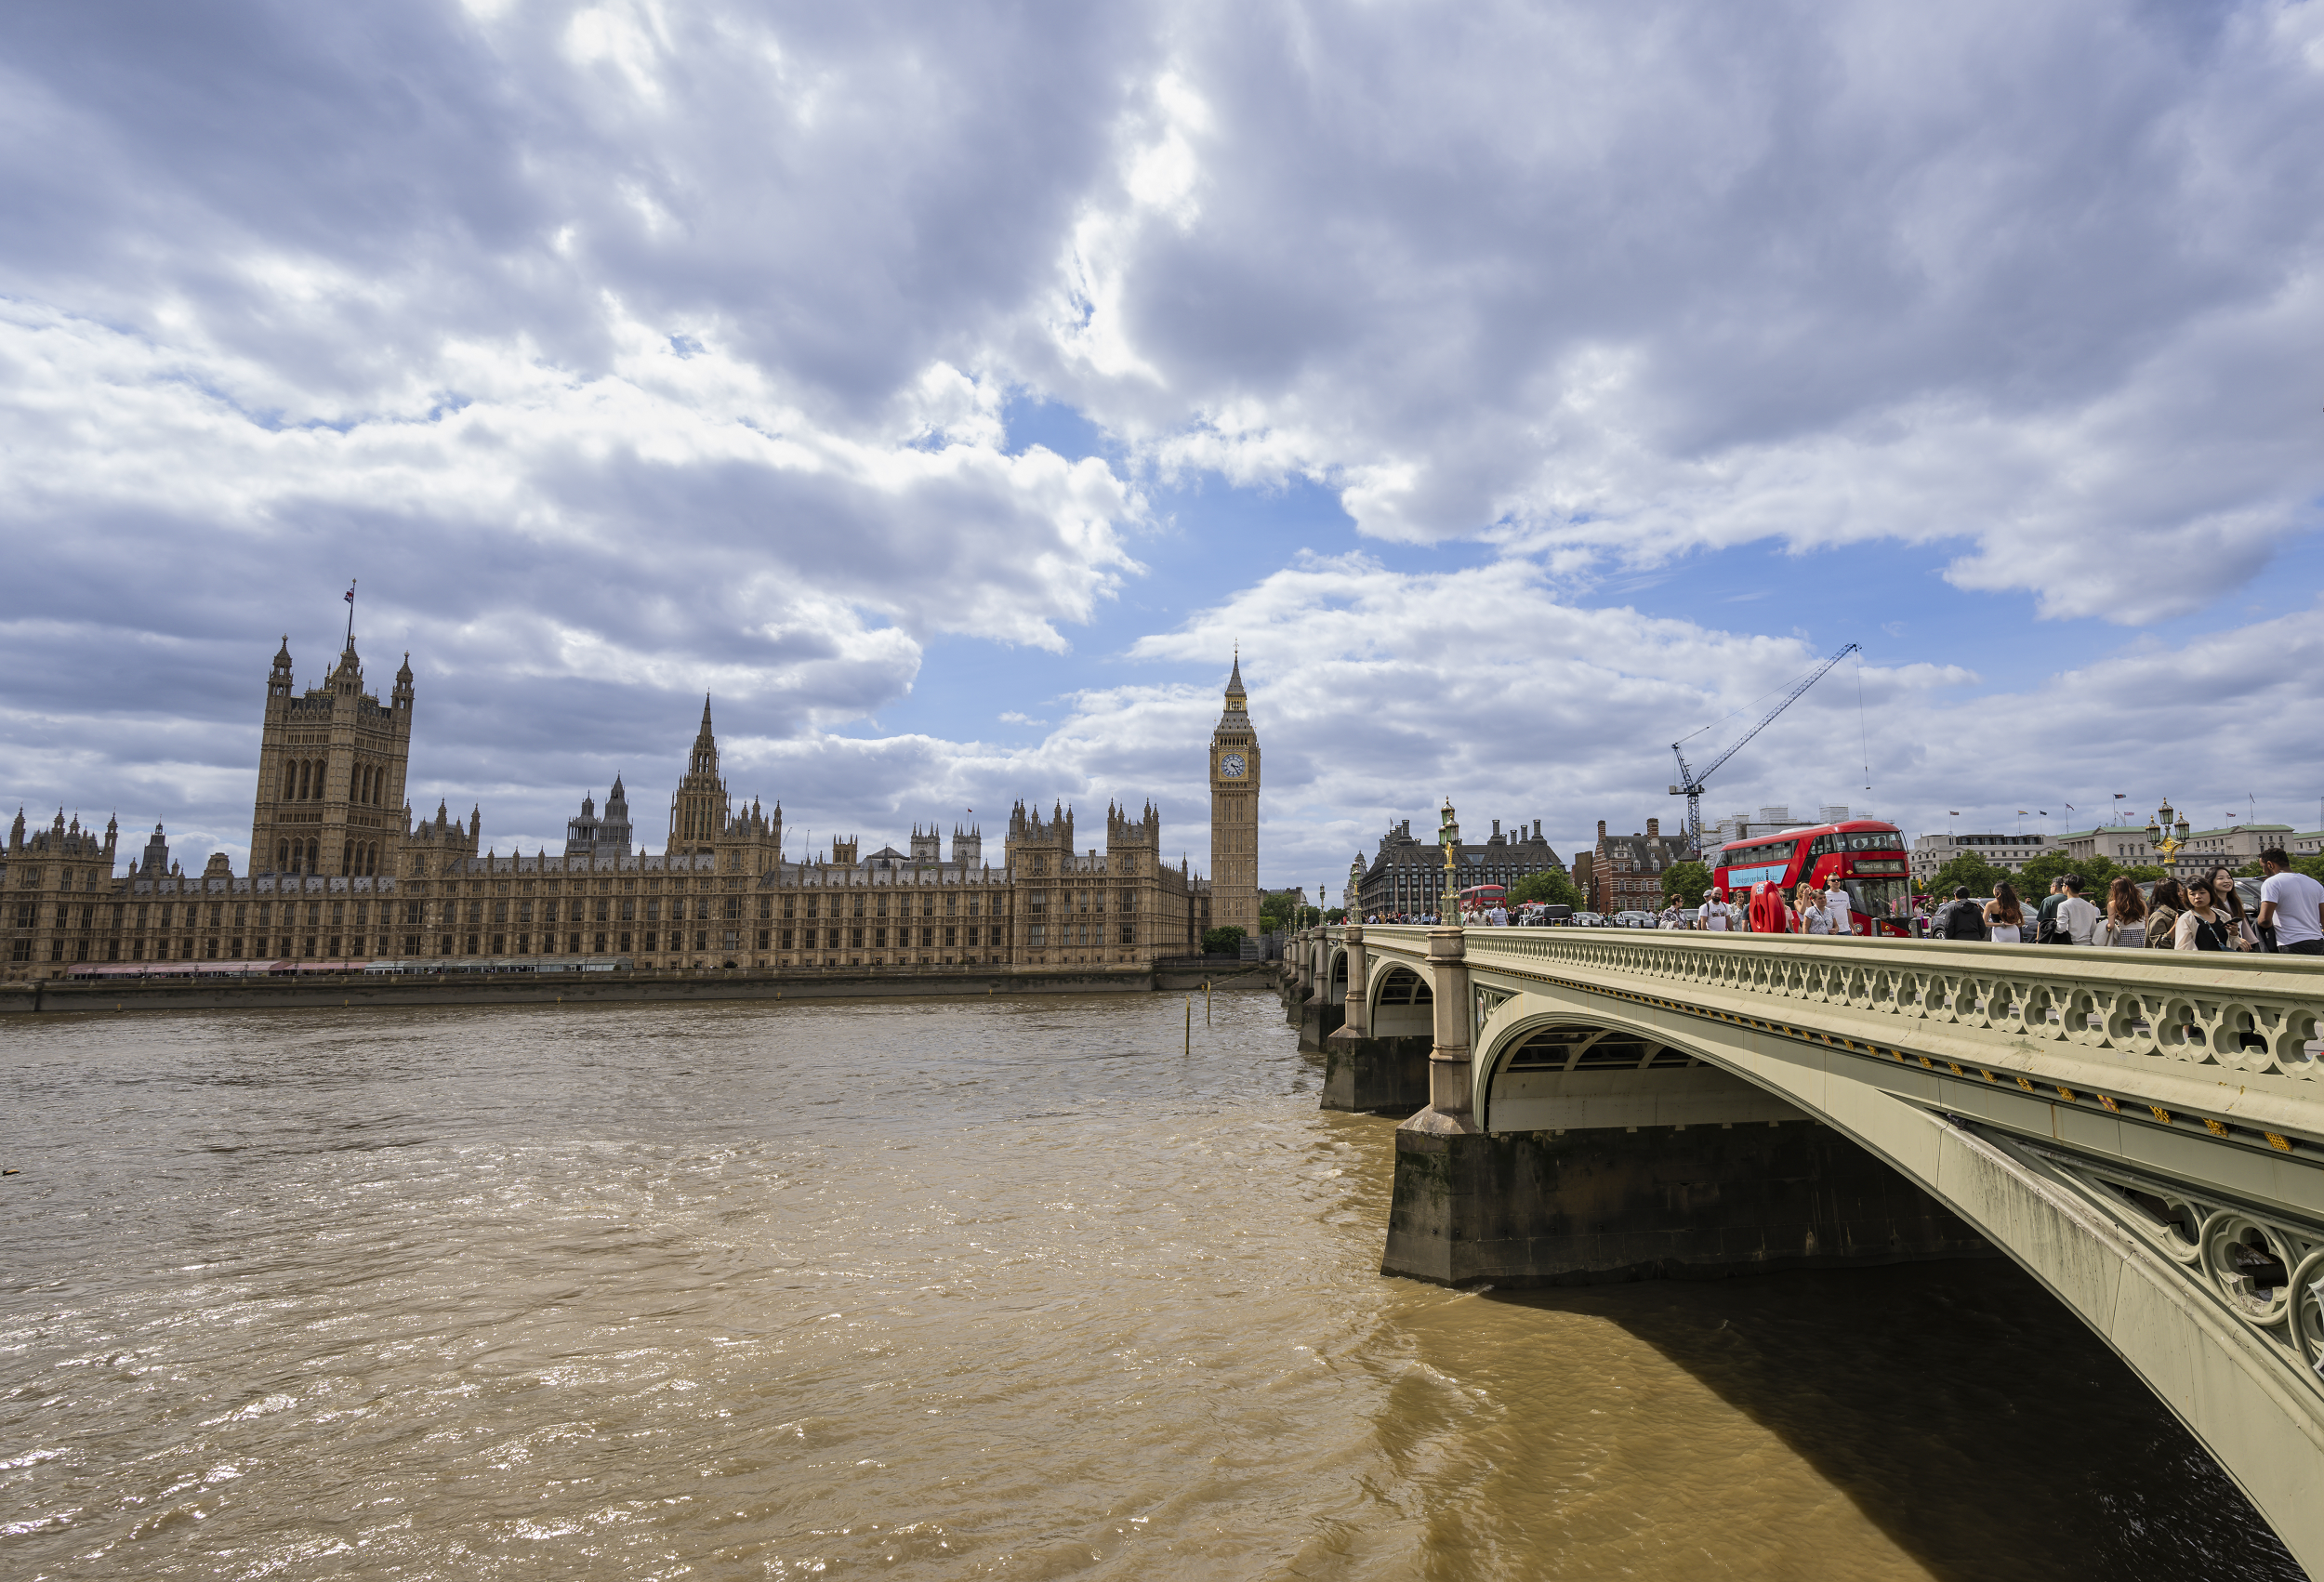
{"type": "Point", "coordinates": [1449, 904]}
{"type": "Point", "coordinates": [2164, 835]}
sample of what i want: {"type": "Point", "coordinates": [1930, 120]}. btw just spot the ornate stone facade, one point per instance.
{"type": "Point", "coordinates": [343, 880]}
{"type": "Point", "coordinates": [331, 766]}
{"type": "Point", "coordinates": [1405, 877]}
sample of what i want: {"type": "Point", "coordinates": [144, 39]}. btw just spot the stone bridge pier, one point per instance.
{"type": "Point", "coordinates": [2142, 1131]}
{"type": "Point", "coordinates": [1376, 1058]}
{"type": "Point", "coordinates": [1643, 1162]}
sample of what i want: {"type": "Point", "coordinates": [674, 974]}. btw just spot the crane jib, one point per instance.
{"type": "Point", "coordinates": [1691, 782]}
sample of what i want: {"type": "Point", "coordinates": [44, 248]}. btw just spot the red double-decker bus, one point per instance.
{"type": "Point", "coordinates": [1868, 856]}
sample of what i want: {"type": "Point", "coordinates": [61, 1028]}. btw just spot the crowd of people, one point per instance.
{"type": "Point", "coordinates": [2206, 913]}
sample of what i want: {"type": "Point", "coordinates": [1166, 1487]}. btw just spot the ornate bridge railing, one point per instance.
{"type": "Point", "coordinates": [2255, 1021]}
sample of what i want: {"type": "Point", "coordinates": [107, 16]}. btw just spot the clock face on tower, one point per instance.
{"type": "Point", "coordinates": [1231, 766]}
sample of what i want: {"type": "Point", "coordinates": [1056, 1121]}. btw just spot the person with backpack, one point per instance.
{"type": "Point", "coordinates": [2046, 919]}
{"type": "Point", "coordinates": [2292, 903]}
{"type": "Point", "coordinates": [1718, 917]}
{"type": "Point", "coordinates": [1959, 918]}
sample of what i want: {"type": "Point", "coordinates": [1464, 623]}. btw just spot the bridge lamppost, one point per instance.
{"type": "Point", "coordinates": [2165, 836]}
{"type": "Point", "coordinates": [1448, 985]}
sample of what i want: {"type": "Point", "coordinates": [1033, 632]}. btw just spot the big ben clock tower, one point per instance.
{"type": "Point", "coordinates": [1235, 813]}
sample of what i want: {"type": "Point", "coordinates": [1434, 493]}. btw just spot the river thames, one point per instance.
{"type": "Point", "coordinates": [949, 1289]}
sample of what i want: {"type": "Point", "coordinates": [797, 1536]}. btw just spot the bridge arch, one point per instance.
{"type": "Point", "coordinates": [1403, 1002]}
{"type": "Point", "coordinates": [1545, 1067]}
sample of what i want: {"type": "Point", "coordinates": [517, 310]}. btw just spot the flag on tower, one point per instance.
{"type": "Point", "coordinates": [351, 593]}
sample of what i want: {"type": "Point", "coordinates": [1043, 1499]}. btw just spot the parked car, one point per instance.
{"type": "Point", "coordinates": [1634, 920]}
{"type": "Point", "coordinates": [1589, 921]}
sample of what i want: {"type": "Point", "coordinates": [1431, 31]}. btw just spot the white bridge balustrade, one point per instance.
{"type": "Point", "coordinates": [2143, 1130]}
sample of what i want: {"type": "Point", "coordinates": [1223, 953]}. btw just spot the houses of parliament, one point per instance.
{"type": "Point", "coordinates": [341, 874]}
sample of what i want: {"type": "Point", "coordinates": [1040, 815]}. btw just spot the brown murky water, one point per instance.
{"type": "Point", "coordinates": [946, 1290]}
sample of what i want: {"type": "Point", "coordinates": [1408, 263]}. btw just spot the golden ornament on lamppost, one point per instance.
{"type": "Point", "coordinates": [2164, 835]}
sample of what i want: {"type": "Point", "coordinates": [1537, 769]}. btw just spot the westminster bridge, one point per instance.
{"type": "Point", "coordinates": [2140, 1130]}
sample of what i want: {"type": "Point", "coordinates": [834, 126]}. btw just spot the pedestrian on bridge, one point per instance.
{"type": "Point", "coordinates": [2046, 919]}
{"type": "Point", "coordinates": [2004, 918]}
{"type": "Point", "coordinates": [2202, 926]}
{"type": "Point", "coordinates": [1718, 917]}
{"type": "Point", "coordinates": [2162, 915]}
{"type": "Point", "coordinates": [1836, 906]}
{"type": "Point", "coordinates": [1959, 918]}
{"type": "Point", "coordinates": [2293, 904]}
{"type": "Point", "coordinates": [2125, 922]}
{"type": "Point", "coordinates": [2229, 900]}
{"type": "Point", "coordinates": [2076, 919]}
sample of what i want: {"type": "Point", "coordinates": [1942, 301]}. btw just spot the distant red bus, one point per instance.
{"type": "Point", "coordinates": [1484, 897]}
{"type": "Point", "coordinates": [1868, 856]}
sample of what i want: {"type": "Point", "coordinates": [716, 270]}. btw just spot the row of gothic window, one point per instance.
{"type": "Point", "coordinates": [359, 858]}
{"type": "Point", "coordinates": [303, 781]}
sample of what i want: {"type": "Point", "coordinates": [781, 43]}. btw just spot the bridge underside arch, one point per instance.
{"type": "Point", "coordinates": [1403, 1003]}
{"type": "Point", "coordinates": [1613, 1131]}
{"type": "Point", "coordinates": [1554, 1074]}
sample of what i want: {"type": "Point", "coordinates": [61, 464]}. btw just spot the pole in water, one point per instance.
{"type": "Point", "coordinates": [1190, 1026]}
{"type": "Point", "coordinates": [1205, 1002]}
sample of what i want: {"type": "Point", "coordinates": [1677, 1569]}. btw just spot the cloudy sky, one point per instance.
{"type": "Point", "coordinates": [947, 388]}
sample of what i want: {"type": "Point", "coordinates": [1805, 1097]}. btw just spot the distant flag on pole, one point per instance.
{"type": "Point", "coordinates": [1952, 812]}
{"type": "Point", "coordinates": [2121, 796]}
{"type": "Point", "coordinates": [351, 593]}
{"type": "Point", "coordinates": [2021, 812]}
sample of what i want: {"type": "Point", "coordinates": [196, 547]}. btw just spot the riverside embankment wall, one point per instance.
{"type": "Point", "coordinates": [119, 995]}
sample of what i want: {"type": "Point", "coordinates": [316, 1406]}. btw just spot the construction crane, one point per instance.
{"type": "Point", "coordinates": [1690, 783]}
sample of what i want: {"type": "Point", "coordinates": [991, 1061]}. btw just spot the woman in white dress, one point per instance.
{"type": "Point", "coordinates": [2005, 915]}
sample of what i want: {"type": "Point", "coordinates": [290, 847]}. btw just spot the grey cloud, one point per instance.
{"type": "Point", "coordinates": [1583, 277]}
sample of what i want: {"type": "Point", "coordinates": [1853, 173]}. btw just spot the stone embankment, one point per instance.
{"type": "Point", "coordinates": [118, 996]}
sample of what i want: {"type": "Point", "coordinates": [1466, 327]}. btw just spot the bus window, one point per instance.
{"type": "Point", "coordinates": [1881, 900]}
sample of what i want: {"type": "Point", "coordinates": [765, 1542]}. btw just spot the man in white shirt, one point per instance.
{"type": "Point", "coordinates": [2292, 902]}
{"type": "Point", "coordinates": [1716, 913]}
{"type": "Point", "coordinates": [1836, 907]}
{"type": "Point", "coordinates": [2076, 919]}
